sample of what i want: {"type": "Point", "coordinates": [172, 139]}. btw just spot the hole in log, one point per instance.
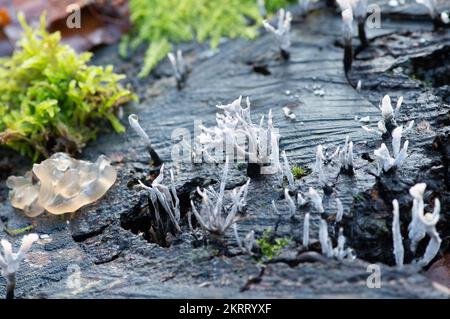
{"type": "Point", "coordinates": [261, 69]}
{"type": "Point", "coordinates": [143, 219]}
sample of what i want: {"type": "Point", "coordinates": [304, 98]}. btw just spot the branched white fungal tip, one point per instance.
{"type": "Point", "coordinates": [282, 32]}
{"type": "Point", "coordinates": [214, 216]}
{"type": "Point", "coordinates": [164, 197]}
{"type": "Point", "coordinates": [10, 261]}
{"type": "Point", "coordinates": [178, 65]}
{"type": "Point", "coordinates": [429, 221]}
{"type": "Point", "coordinates": [246, 245]}
{"type": "Point", "coordinates": [389, 117]}
{"type": "Point", "coordinates": [234, 127]}
{"type": "Point", "coordinates": [387, 112]}
{"type": "Point", "coordinates": [385, 160]}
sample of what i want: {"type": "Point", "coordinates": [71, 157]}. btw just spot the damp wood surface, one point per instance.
{"type": "Point", "coordinates": [116, 261]}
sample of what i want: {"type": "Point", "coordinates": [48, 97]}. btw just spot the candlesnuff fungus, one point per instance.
{"type": "Point", "coordinates": [439, 19]}
{"type": "Point", "coordinates": [262, 8]}
{"type": "Point", "coordinates": [359, 9]}
{"type": "Point", "coordinates": [214, 217]}
{"type": "Point", "coordinates": [290, 202]}
{"type": "Point", "coordinates": [179, 67]}
{"type": "Point", "coordinates": [424, 223]}
{"type": "Point", "coordinates": [133, 119]}
{"type": "Point", "coordinates": [339, 252]}
{"type": "Point", "coordinates": [62, 185]}
{"type": "Point", "coordinates": [312, 196]}
{"type": "Point", "coordinates": [165, 197]}
{"type": "Point", "coordinates": [287, 172]}
{"type": "Point", "coordinates": [397, 236]}
{"type": "Point", "coordinates": [282, 32]}
{"type": "Point", "coordinates": [10, 261]}
{"type": "Point", "coordinates": [316, 199]}
{"type": "Point", "coordinates": [389, 118]}
{"type": "Point", "coordinates": [416, 231]}
{"type": "Point", "coordinates": [325, 241]}
{"type": "Point", "coordinates": [384, 160]}
{"type": "Point", "coordinates": [346, 157]}
{"type": "Point", "coordinates": [245, 245]}
{"type": "Point", "coordinates": [318, 165]}
{"type": "Point", "coordinates": [305, 241]}
{"type": "Point", "coordinates": [321, 160]}
{"type": "Point", "coordinates": [163, 24]}
{"type": "Point", "coordinates": [340, 210]}
{"type": "Point", "coordinates": [347, 20]}
{"type": "Point", "coordinates": [235, 128]}
{"type": "Point", "coordinates": [429, 221]}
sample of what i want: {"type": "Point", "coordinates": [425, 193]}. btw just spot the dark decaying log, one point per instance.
{"type": "Point", "coordinates": [110, 241]}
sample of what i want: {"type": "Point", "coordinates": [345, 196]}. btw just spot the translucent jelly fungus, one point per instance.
{"type": "Point", "coordinates": [61, 185]}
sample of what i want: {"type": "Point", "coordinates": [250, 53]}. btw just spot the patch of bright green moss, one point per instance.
{"type": "Point", "coordinates": [163, 23]}
{"type": "Point", "coordinates": [271, 247]}
{"type": "Point", "coordinates": [299, 172]}
{"type": "Point", "coordinates": [51, 100]}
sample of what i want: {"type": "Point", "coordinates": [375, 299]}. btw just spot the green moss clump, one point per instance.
{"type": "Point", "coordinates": [271, 247]}
{"type": "Point", "coordinates": [161, 23]}
{"type": "Point", "coordinates": [51, 100]}
{"type": "Point", "coordinates": [299, 172]}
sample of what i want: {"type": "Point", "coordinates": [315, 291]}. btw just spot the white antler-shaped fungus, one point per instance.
{"type": "Point", "coordinates": [282, 32]}
{"type": "Point", "coordinates": [385, 161]}
{"type": "Point", "coordinates": [179, 67]}
{"type": "Point", "coordinates": [167, 197]}
{"type": "Point", "coordinates": [389, 117]}
{"type": "Point", "coordinates": [10, 261]}
{"type": "Point", "coordinates": [212, 216]}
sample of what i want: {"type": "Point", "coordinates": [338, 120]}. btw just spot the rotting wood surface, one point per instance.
{"type": "Point", "coordinates": [115, 262]}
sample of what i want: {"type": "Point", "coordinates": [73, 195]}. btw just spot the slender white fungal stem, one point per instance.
{"type": "Point", "coordinates": [306, 231]}
{"type": "Point", "coordinates": [397, 236]}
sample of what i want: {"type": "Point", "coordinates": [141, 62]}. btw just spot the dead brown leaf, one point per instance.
{"type": "Point", "coordinates": [440, 271]}
{"type": "Point", "coordinates": [102, 21]}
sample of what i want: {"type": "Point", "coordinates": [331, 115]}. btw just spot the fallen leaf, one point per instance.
{"type": "Point", "coordinates": [101, 21]}
{"type": "Point", "coordinates": [5, 45]}
{"type": "Point", "coordinates": [440, 271]}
